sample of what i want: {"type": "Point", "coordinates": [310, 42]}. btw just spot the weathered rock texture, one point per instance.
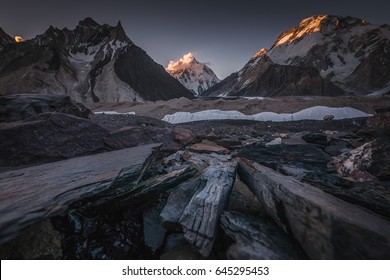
{"type": "Point", "coordinates": [55, 136]}
{"type": "Point", "coordinates": [258, 239]}
{"type": "Point", "coordinates": [53, 187]}
{"type": "Point", "coordinates": [201, 216]}
{"type": "Point", "coordinates": [325, 227]}
{"type": "Point", "coordinates": [23, 106]}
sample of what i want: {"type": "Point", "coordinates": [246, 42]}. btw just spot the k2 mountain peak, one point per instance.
{"type": "Point", "coordinates": [195, 76]}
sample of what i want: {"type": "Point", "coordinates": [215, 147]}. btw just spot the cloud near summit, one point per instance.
{"type": "Point", "coordinates": [182, 63]}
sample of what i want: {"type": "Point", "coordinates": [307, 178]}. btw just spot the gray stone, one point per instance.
{"type": "Point", "coordinates": [154, 232]}
{"type": "Point", "coordinates": [200, 218]}
{"type": "Point", "coordinates": [22, 106]}
{"type": "Point", "coordinates": [54, 186]}
{"type": "Point", "coordinates": [258, 239]}
{"type": "Point", "coordinates": [326, 227]}
{"type": "Point", "coordinates": [178, 201]}
{"type": "Point", "coordinates": [39, 241]}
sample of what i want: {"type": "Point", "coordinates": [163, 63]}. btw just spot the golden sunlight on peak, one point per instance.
{"type": "Point", "coordinates": [19, 39]}
{"type": "Point", "coordinates": [260, 52]}
{"type": "Point", "coordinates": [175, 65]}
{"type": "Point", "coordinates": [306, 27]}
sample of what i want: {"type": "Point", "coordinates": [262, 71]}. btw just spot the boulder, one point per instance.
{"type": "Point", "coordinates": [308, 157]}
{"type": "Point", "coordinates": [276, 141]}
{"type": "Point", "coordinates": [258, 239]}
{"type": "Point", "coordinates": [243, 200]}
{"type": "Point", "coordinates": [39, 241]}
{"type": "Point", "coordinates": [316, 138]}
{"type": "Point", "coordinates": [372, 157]}
{"type": "Point", "coordinates": [328, 117]}
{"type": "Point", "coordinates": [174, 241]}
{"type": "Point", "coordinates": [154, 233]}
{"type": "Point", "coordinates": [171, 139]}
{"type": "Point", "coordinates": [53, 187]}
{"type": "Point", "coordinates": [183, 136]}
{"type": "Point", "coordinates": [208, 146]}
{"type": "Point", "coordinates": [379, 120]}
{"type": "Point", "coordinates": [22, 106]}
{"type": "Point", "coordinates": [200, 218]}
{"type": "Point", "coordinates": [49, 137]}
{"type": "Point", "coordinates": [177, 202]}
{"type": "Point", "coordinates": [325, 227]}
{"type": "Point", "coordinates": [370, 194]}
{"type": "Point", "coordinates": [229, 143]}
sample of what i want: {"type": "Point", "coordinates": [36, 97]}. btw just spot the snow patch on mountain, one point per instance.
{"type": "Point", "coordinates": [380, 92]}
{"type": "Point", "coordinates": [195, 76]}
{"type": "Point", "coordinates": [312, 113]}
{"type": "Point", "coordinates": [338, 41]}
{"type": "Point", "coordinates": [324, 55]}
{"type": "Point", "coordinates": [309, 26]}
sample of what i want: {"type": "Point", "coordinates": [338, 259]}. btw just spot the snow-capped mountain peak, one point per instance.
{"type": "Point", "coordinates": [91, 63]}
{"type": "Point", "coordinates": [336, 46]}
{"type": "Point", "coordinates": [194, 75]}
{"type": "Point", "coordinates": [306, 26]}
{"type": "Point", "coordinates": [322, 55]}
{"type": "Point", "coordinates": [185, 62]}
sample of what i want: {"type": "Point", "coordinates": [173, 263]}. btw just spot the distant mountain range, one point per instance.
{"type": "Point", "coordinates": [92, 63]}
{"type": "Point", "coordinates": [195, 76]}
{"type": "Point", "coordinates": [323, 55]}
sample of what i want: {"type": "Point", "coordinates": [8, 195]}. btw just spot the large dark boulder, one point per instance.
{"type": "Point", "coordinates": [49, 137]}
{"type": "Point", "coordinates": [55, 136]}
{"type": "Point", "coordinates": [21, 106]}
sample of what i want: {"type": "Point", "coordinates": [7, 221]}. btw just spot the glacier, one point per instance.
{"type": "Point", "coordinates": [312, 113]}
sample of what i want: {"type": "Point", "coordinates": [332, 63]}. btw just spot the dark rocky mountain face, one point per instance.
{"type": "Point", "coordinates": [92, 63]}
{"type": "Point", "coordinates": [323, 55]}
{"type": "Point", "coordinates": [272, 79]}
{"type": "Point", "coordinates": [5, 39]}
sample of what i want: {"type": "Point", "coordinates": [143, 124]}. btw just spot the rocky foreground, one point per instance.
{"type": "Point", "coordinates": [75, 185]}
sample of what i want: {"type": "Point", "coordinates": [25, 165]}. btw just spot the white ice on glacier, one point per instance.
{"type": "Point", "coordinates": [312, 113]}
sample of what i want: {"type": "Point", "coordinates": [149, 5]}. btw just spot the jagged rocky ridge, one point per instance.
{"type": "Point", "coordinates": [195, 76]}
{"type": "Point", "coordinates": [323, 55]}
{"type": "Point", "coordinates": [211, 190]}
{"type": "Point", "coordinates": [92, 63]}
{"type": "Point", "coordinates": [5, 39]}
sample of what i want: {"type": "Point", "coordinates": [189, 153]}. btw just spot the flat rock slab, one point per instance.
{"type": "Point", "coordinates": [209, 147]}
{"type": "Point", "coordinates": [309, 157]}
{"type": "Point", "coordinates": [325, 226]}
{"type": "Point", "coordinates": [32, 194]}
